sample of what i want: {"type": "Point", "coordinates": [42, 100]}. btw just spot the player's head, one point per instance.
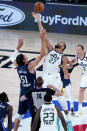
{"type": "Point", "coordinates": [4, 97]}
{"type": "Point", "coordinates": [39, 81]}
{"type": "Point", "coordinates": [80, 49]}
{"type": "Point", "coordinates": [21, 59]}
{"type": "Point", "coordinates": [61, 45]}
{"type": "Point", "coordinates": [47, 98]}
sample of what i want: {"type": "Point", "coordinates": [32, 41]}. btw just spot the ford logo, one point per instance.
{"type": "Point", "coordinates": [10, 15]}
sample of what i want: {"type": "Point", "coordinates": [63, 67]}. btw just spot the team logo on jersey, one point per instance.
{"type": "Point", "coordinates": [10, 15]}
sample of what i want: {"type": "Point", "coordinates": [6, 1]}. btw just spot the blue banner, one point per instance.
{"type": "Point", "coordinates": [59, 18]}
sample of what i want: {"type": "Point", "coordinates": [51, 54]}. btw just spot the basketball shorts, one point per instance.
{"type": "Point", "coordinates": [62, 101]}
{"type": "Point", "coordinates": [83, 83]}
{"type": "Point", "coordinates": [52, 79]}
{"type": "Point", "coordinates": [24, 107]}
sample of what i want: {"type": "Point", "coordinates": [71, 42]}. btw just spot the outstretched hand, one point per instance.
{"type": "Point", "coordinates": [36, 16]}
{"type": "Point", "coordinates": [20, 43]}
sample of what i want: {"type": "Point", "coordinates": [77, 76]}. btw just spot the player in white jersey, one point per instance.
{"type": "Point", "coordinates": [81, 59]}
{"type": "Point", "coordinates": [53, 60]}
{"type": "Point", "coordinates": [48, 114]}
{"type": "Point", "coordinates": [51, 68]}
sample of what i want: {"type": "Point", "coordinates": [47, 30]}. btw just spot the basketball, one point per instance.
{"type": "Point", "coordinates": [39, 7]}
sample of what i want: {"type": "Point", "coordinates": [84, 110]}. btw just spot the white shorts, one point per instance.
{"type": "Point", "coordinates": [52, 79]}
{"type": "Point", "coordinates": [62, 101]}
{"type": "Point", "coordinates": [83, 83]}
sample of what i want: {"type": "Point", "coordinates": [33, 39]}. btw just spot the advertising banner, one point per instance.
{"type": "Point", "coordinates": [59, 18]}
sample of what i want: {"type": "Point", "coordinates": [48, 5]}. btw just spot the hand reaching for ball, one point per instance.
{"type": "Point", "coordinates": [36, 16]}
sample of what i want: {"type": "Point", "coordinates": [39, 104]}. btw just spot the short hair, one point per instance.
{"type": "Point", "coordinates": [64, 46]}
{"type": "Point", "coordinates": [56, 46]}
{"type": "Point", "coordinates": [4, 97]}
{"type": "Point", "coordinates": [39, 81]}
{"type": "Point", "coordinates": [48, 98]}
{"type": "Point", "coordinates": [82, 47]}
{"type": "Point", "coordinates": [20, 59]}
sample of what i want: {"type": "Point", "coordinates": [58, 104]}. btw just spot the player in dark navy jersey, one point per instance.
{"type": "Point", "coordinates": [26, 72]}
{"type": "Point", "coordinates": [5, 110]}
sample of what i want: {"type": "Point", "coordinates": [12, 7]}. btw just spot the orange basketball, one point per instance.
{"type": "Point", "coordinates": [39, 7]}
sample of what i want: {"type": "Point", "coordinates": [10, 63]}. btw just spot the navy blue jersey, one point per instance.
{"type": "Point", "coordinates": [65, 82]}
{"type": "Point", "coordinates": [3, 110]}
{"type": "Point", "coordinates": [27, 80]}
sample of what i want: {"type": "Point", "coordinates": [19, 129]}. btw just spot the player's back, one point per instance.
{"type": "Point", "coordinates": [27, 79]}
{"type": "Point", "coordinates": [38, 95]}
{"type": "Point", "coordinates": [52, 62]}
{"type": "Point", "coordinates": [48, 116]}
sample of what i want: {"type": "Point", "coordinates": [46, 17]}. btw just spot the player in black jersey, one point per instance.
{"type": "Point", "coordinates": [5, 110]}
{"type": "Point", "coordinates": [38, 93]}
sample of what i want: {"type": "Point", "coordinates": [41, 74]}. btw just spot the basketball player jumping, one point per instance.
{"type": "Point", "coordinates": [51, 67]}
{"type": "Point", "coordinates": [26, 72]}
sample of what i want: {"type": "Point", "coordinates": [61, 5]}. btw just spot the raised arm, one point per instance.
{"type": "Point", "coordinates": [9, 110]}
{"type": "Point", "coordinates": [35, 62]}
{"type": "Point", "coordinates": [36, 119]}
{"type": "Point", "coordinates": [15, 53]}
{"type": "Point", "coordinates": [61, 118]}
{"type": "Point", "coordinates": [48, 45]}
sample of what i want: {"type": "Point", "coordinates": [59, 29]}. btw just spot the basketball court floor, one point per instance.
{"type": "Point", "coordinates": [9, 81]}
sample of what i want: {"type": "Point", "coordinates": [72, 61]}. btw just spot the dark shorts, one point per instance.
{"type": "Point", "coordinates": [25, 106]}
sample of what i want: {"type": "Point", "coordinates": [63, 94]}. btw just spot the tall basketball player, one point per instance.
{"type": "Point", "coordinates": [51, 68]}
{"type": "Point", "coordinates": [27, 75]}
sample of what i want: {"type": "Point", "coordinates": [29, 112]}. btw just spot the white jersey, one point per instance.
{"type": "Point", "coordinates": [48, 116]}
{"type": "Point", "coordinates": [52, 62]}
{"type": "Point", "coordinates": [83, 63]}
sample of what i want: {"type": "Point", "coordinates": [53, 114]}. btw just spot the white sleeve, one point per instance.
{"type": "Point", "coordinates": [14, 55]}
